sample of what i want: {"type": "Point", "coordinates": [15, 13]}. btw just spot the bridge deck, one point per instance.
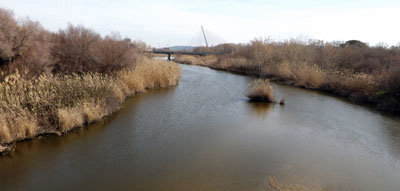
{"type": "Point", "coordinates": [170, 52]}
{"type": "Point", "coordinates": [182, 52]}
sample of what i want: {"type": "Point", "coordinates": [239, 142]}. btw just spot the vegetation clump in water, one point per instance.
{"type": "Point", "coordinates": [261, 91]}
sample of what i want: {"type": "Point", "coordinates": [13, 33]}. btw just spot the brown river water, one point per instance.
{"type": "Point", "coordinates": [204, 135]}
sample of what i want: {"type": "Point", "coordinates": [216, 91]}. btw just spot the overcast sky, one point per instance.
{"type": "Point", "coordinates": [175, 22]}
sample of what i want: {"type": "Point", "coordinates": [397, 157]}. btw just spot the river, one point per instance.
{"type": "Point", "coordinates": [204, 135]}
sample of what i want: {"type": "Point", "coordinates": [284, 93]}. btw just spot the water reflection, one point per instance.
{"type": "Point", "coordinates": [278, 186]}
{"type": "Point", "coordinates": [261, 109]}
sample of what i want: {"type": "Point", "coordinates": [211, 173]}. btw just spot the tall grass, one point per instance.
{"type": "Point", "coordinates": [59, 103]}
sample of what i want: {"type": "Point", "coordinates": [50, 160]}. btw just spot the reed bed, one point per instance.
{"type": "Point", "coordinates": [60, 103]}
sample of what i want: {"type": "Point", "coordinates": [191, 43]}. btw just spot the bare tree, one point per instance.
{"type": "Point", "coordinates": [113, 53]}
{"type": "Point", "coordinates": [8, 32]}
{"type": "Point", "coordinates": [72, 49]}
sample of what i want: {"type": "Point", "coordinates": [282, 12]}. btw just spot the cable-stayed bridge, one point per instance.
{"type": "Point", "coordinates": [206, 38]}
{"type": "Point", "coordinates": [203, 38]}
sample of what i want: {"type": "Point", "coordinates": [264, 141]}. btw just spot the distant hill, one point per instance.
{"type": "Point", "coordinates": [181, 48]}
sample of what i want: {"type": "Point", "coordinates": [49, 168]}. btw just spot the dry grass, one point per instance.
{"type": "Point", "coordinates": [156, 73]}
{"type": "Point", "coordinates": [308, 76]}
{"type": "Point", "coordinates": [70, 118]}
{"type": "Point", "coordinates": [261, 90]}
{"type": "Point", "coordinates": [25, 127]}
{"type": "Point", "coordinates": [93, 111]}
{"type": "Point", "coordinates": [2, 149]}
{"type": "Point", "coordinates": [303, 74]}
{"type": "Point", "coordinates": [359, 86]}
{"type": "Point", "coordinates": [59, 103]}
{"type": "Point", "coordinates": [284, 70]}
{"type": "Point", "coordinates": [187, 59]}
{"type": "Point", "coordinates": [233, 64]}
{"type": "Point", "coordinates": [209, 60]}
{"type": "Point", "coordinates": [4, 131]}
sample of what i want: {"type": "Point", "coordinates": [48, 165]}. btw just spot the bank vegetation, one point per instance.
{"type": "Point", "coordinates": [352, 69]}
{"type": "Point", "coordinates": [52, 82]}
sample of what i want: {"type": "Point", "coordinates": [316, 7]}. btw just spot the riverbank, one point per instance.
{"type": "Point", "coordinates": [357, 87]}
{"type": "Point", "coordinates": [53, 82]}
{"type": "Point", "coordinates": [57, 104]}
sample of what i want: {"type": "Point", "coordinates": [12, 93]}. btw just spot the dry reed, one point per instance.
{"type": "Point", "coordinates": [261, 91]}
{"type": "Point", "coordinates": [59, 103]}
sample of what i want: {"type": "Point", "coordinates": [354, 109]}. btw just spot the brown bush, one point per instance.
{"type": "Point", "coordinates": [393, 82]}
{"type": "Point", "coordinates": [8, 31]}
{"type": "Point", "coordinates": [261, 90]}
{"type": "Point", "coordinates": [72, 50]}
{"type": "Point", "coordinates": [79, 50]}
{"type": "Point", "coordinates": [24, 45]}
{"type": "Point", "coordinates": [112, 54]}
{"type": "Point", "coordinates": [34, 54]}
